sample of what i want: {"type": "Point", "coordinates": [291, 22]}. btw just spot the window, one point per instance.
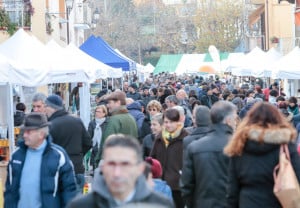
{"type": "Point", "coordinates": [19, 12]}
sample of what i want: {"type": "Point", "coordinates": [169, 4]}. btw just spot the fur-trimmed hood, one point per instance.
{"type": "Point", "coordinates": [261, 140]}
{"type": "Point", "coordinates": [271, 135]}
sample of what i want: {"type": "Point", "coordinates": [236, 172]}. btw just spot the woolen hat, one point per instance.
{"type": "Point", "coordinates": [35, 120]}
{"type": "Point", "coordinates": [156, 168]}
{"type": "Point", "coordinates": [54, 101]}
{"type": "Point", "coordinates": [203, 116]}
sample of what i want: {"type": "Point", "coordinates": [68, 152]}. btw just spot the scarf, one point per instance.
{"type": "Point", "coordinates": [168, 137]}
{"type": "Point", "coordinates": [98, 132]}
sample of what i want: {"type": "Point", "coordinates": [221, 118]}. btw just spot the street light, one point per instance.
{"type": "Point", "coordinates": [96, 15]}
{"type": "Point", "coordinates": [69, 5]}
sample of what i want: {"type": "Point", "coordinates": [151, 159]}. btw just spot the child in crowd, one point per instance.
{"type": "Point", "coordinates": [156, 172]}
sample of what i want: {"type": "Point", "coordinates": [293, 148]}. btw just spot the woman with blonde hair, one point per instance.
{"type": "Point", "coordinates": [254, 152]}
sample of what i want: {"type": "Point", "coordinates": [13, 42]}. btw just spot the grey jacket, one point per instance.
{"type": "Point", "coordinates": [100, 197]}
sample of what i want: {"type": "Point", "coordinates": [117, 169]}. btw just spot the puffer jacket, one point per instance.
{"type": "Point", "coordinates": [58, 184]}
{"type": "Point", "coordinates": [251, 174]}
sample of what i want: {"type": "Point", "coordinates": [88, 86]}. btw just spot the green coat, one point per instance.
{"type": "Point", "coordinates": [120, 122]}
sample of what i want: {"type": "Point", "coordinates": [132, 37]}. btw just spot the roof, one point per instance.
{"type": "Point", "coordinates": [167, 63]}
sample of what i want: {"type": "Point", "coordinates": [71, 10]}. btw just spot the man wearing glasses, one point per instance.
{"type": "Point", "coordinates": [121, 179]}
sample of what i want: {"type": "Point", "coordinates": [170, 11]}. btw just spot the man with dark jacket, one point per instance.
{"type": "Point", "coordinates": [209, 95]}
{"type": "Point", "coordinates": [201, 118]}
{"type": "Point", "coordinates": [40, 173]}
{"type": "Point", "coordinates": [121, 179]}
{"type": "Point", "coordinates": [204, 174]}
{"type": "Point", "coordinates": [70, 133]}
{"type": "Point", "coordinates": [132, 92]}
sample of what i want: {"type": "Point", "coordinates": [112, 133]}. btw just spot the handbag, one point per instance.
{"type": "Point", "coordinates": [286, 186]}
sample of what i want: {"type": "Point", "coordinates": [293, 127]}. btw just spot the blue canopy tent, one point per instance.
{"type": "Point", "coordinates": [102, 51]}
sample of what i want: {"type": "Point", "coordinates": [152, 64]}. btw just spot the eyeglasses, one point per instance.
{"type": "Point", "coordinates": [122, 165]}
{"type": "Point", "coordinates": [98, 111]}
{"type": "Point", "coordinates": [152, 109]}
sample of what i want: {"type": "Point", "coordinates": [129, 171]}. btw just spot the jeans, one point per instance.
{"type": "Point", "coordinates": [79, 182]}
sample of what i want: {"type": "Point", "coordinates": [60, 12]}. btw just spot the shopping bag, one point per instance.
{"type": "Point", "coordinates": [286, 186]}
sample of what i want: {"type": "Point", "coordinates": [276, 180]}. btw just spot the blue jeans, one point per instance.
{"type": "Point", "coordinates": [79, 182]}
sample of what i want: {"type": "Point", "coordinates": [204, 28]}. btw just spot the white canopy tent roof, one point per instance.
{"type": "Point", "coordinates": [250, 64]}
{"type": "Point", "coordinates": [272, 56]}
{"type": "Point", "coordinates": [228, 63]}
{"type": "Point", "coordinates": [288, 67]}
{"type": "Point", "coordinates": [65, 67]}
{"type": "Point", "coordinates": [190, 63]}
{"type": "Point", "coordinates": [149, 68]}
{"type": "Point", "coordinates": [27, 58]}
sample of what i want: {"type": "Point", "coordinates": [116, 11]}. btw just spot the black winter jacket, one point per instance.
{"type": "Point", "coordinates": [69, 132]}
{"type": "Point", "coordinates": [251, 174]}
{"type": "Point", "coordinates": [204, 174]}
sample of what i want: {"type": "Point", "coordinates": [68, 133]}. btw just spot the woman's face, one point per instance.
{"type": "Point", "coordinates": [155, 127]}
{"type": "Point", "coordinates": [152, 111]}
{"type": "Point", "coordinates": [99, 113]}
{"type": "Point", "coordinates": [170, 126]}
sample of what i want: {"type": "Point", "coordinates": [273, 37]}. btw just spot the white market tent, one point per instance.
{"type": "Point", "coordinates": [250, 64]}
{"type": "Point", "coordinates": [190, 63]}
{"type": "Point", "coordinates": [149, 68]}
{"type": "Point", "coordinates": [288, 67]}
{"type": "Point", "coordinates": [28, 60]}
{"type": "Point", "coordinates": [272, 56]}
{"type": "Point", "coordinates": [228, 63]}
{"type": "Point", "coordinates": [64, 67]}
{"type": "Point", "coordinates": [5, 66]}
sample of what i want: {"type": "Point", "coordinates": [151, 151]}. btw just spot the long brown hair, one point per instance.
{"type": "Point", "coordinates": [263, 115]}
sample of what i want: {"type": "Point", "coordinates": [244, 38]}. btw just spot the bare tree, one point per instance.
{"type": "Point", "coordinates": [219, 23]}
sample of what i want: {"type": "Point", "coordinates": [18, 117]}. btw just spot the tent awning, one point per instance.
{"type": "Point", "coordinates": [208, 57]}
{"type": "Point", "coordinates": [167, 63]}
{"type": "Point", "coordinates": [100, 50]}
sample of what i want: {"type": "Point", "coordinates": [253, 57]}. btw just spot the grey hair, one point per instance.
{"type": "Point", "coordinates": [45, 130]}
{"type": "Point", "coordinates": [180, 109]}
{"type": "Point", "coordinates": [158, 117]}
{"type": "Point", "coordinates": [39, 97]}
{"type": "Point", "coordinates": [173, 98]}
{"type": "Point", "coordinates": [220, 110]}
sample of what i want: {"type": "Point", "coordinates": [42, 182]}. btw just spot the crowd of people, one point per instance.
{"type": "Point", "coordinates": [168, 142]}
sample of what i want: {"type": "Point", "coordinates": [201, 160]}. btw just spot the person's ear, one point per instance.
{"type": "Point", "coordinates": [141, 167]}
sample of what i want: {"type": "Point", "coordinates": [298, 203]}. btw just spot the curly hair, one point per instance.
{"type": "Point", "coordinates": [154, 104]}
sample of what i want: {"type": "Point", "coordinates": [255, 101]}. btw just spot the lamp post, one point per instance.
{"type": "Point", "coordinates": [96, 15]}
{"type": "Point", "coordinates": [95, 19]}
{"type": "Point", "coordinates": [69, 5]}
